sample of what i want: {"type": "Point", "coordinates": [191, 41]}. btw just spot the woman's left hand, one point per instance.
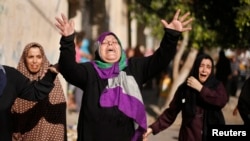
{"type": "Point", "coordinates": [180, 24]}
{"type": "Point", "coordinates": [54, 68]}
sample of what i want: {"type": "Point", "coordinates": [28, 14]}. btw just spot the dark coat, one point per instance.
{"type": "Point", "coordinates": [199, 109]}
{"type": "Point", "coordinates": [244, 102]}
{"type": "Point", "coordinates": [97, 123]}
{"type": "Point", "coordinates": [223, 68]}
{"type": "Point", "coordinates": [20, 86]}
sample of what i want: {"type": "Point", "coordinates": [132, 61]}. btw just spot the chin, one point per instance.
{"type": "Point", "coordinates": [204, 80]}
{"type": "Point", "coordinates": [33, 71]}
{"type": "Point", "coordinates": [111, 61]}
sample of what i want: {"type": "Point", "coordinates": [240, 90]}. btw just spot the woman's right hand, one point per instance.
{"type": "Point", "coordinates": [66, 27]}
{"type": "Point", "coordinates": [147, 133]}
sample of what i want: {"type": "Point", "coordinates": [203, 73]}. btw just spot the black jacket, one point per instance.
{"type": "Point", "coordinates": [17, 85]}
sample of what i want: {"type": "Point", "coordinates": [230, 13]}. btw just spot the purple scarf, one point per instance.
{"type": "Point", "coordinates": [122, 90]}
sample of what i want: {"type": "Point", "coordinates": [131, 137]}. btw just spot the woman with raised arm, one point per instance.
{"type": "Point", "coordinates": [112, 106]}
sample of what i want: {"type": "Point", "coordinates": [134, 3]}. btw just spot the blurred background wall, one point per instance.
{"type": "Point", "coordinates": [25, 21]}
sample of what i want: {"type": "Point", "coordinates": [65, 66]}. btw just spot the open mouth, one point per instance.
{"type": "Point", "coordinates": [110, 50]}
{"type": "Point", "coordinates": [203, 75]}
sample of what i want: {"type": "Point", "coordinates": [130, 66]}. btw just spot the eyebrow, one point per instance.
{"type": "Point", "coordinates": [112, 39]}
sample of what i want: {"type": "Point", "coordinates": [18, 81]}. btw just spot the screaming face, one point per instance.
{"type": "Point", "coordinates": [205, 70]}
{"type": "Point", "coordinates": [110, 50]}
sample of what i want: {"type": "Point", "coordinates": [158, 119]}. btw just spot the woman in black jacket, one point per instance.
{"type": "Point", "coordinates": [243, 105]}
{"type": "Point", "coordinates": [14, 84]}
{"type": "Point", "coordinates": [112, 106]}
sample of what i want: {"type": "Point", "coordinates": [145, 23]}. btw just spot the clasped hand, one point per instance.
{"type": "Point", "coordinates": [194, 83]}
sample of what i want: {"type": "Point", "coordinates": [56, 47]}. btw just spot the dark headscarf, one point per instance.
{"type": "Point", "coordinates": [212, 114]}
{"type": "Point", "coordinates": [191, 95]}
{"type": "Point", "coordinates": [195, 69]}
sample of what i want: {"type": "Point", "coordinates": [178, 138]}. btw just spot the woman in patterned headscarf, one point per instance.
{"type": "Point", "coordinates": [45, 120]}
{"type": "Point", "coordinates": [112, 106]}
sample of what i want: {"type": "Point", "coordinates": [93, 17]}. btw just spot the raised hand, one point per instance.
{"type": "Point", "coordinates": [180, 24]}
{"type": "Point", "coordinates": [66, 27]}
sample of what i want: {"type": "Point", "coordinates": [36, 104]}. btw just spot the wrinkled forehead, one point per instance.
{"type": "Point", "coordinates": [103, 35]}
{"type": "Point", "coordinates": [109, 38]}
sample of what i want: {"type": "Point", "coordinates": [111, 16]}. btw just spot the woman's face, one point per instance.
{"type": "Point", "coordinates": [205, 70]}
{"type": "Point", "coordinates": [34, 59]}
{"type": "Point", "coordinates": [110, 50]}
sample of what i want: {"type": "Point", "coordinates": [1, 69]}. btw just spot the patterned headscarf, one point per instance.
{"type": "Point", "coordinates": [122, 90]}
{"type": "Point", "coordinates": [45, 113]}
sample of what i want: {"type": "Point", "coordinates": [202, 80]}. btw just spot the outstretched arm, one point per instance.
{"type": "Point", "coordinates": [72, 71]}
{"type": "Point", "coordinates": [179, 23]}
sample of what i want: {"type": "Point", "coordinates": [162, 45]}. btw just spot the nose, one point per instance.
{"type": "Point", "coordinates": [110, 42]}
{"type": "Point", "coordinates": [34, 60]}
{"type": "Point", "coordinates": [203, 69]}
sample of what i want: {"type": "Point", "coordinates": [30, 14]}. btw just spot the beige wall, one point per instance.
{"type": "Point", "coordinates": [24, 21]}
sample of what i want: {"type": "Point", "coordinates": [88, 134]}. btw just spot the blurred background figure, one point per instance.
{"type": "Point", "coordinates": [223, 69]}
{"type": "Point", "coordinates": [243, 106]}
{"type": "Point", "coordinates": [130, 52]}
{"type": "Point", "coordinates": [165, 84]}
{"type": "Point", "coordinates": [137, 51]}
{"type": "Point", "coordinates": [71, 103]}
{"type": "Point", "coordinates": [234, 77]}
{"type": "Point", "coordinates": [86, 55]}
{"type": "Point", "coordinates": [244, 102]}
{"type": "Point", "coordinates": [83, 54]}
